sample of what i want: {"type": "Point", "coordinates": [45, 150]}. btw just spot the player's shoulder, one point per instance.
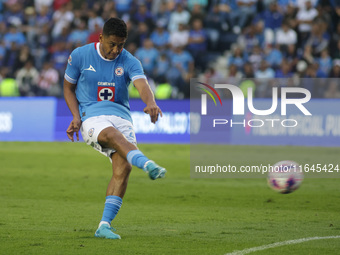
{"type": "Point", "coordinates": [128, 58]}
{"type": "Point", "coordinates": [84, 49]}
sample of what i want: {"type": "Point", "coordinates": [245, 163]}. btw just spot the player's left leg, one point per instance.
{"type": "Point", "coordinates": [114, 194]}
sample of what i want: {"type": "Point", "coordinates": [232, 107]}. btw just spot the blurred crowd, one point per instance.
{"type": "Point", "coordinates": [245, 42]}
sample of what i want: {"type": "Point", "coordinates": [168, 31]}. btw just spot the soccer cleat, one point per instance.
{"type": "Point", "coordinates": [106, 231]}
{"type": "Point", "coordinates": [154, 170]}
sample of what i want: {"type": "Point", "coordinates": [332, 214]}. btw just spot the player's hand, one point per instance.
{"type": "Point", "coordinates": [74, 128]}
{"type": "Point", "coordinates": [153, 110]}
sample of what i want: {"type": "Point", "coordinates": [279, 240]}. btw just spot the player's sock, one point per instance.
{"type": "Point", "coordinates": [136, 158]}
{"type": "Point", "coordinates": [112, 206]}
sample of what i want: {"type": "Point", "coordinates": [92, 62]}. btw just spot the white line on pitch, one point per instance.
{"type": "Point", "coordinates": [278, 244]}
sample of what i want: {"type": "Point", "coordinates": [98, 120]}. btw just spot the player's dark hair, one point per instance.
{"type": "Point", "coordinates": [115, 26]}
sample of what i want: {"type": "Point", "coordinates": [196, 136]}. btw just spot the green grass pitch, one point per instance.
{"type": "Point", "coordinates": [52, 196]}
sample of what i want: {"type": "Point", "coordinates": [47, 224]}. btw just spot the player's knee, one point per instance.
{"type": "Point", "coordinates": [107, 139]}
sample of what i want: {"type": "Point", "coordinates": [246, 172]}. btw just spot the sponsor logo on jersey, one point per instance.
{"type": "Point", "coordinates": [104, 83]}
{"type": "Point", "coordinates": [90, 69]}
{"type": "Point", "coordinates": [69, 60]}
{"type": "Point", "coordinates": [91, 131]}
{"type": "Point", "coordinates": [106, 94]}
{"type": "Point", "coordinates": [119, 71]}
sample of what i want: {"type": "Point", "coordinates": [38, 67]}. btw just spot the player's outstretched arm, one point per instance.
{"type": "Point", "coordinates": [148, 98]}
{"type": "Point", "coordinates": [72, 103]}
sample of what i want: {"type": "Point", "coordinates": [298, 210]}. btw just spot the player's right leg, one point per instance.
{"type": "Point", "coordinates": [99, 133]}
{"type": "Point", "coordinates": [122, 139]}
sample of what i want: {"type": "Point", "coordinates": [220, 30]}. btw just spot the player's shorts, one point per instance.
{"type": "Point", "coordinates": [91, 128]}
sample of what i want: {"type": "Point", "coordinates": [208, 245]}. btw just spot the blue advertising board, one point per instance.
{"type": "Point", "coordinates": [46, 119]}
{"type": "Point", "coordinates": [322, 128]}
{"type": "Point", "coordinates": [27, 119]}
{"type": "Point", "coordinates": [173, 127]}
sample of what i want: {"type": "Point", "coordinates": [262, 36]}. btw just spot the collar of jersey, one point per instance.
{"type": "Point", "coordinates": [100, 55]}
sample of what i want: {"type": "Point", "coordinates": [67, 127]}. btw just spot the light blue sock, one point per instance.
{"type": "Point", "coordinates": [112, 206]}
{"type": "Point", "coordinates": [136, 158]}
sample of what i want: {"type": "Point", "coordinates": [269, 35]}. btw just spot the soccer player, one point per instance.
{"type": "Point", "coordinates": [96, 91]}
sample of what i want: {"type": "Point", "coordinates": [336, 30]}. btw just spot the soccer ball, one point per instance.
{"type": "Point", "coordinates": [285, 176]}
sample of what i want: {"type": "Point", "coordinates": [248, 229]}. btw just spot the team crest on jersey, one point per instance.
{"type": "Point", "coordinates": [106, 94]}
{"type": "Point", "coordinates": [91, 131]}
{"type": "Point", "coordinates": [119, 71]}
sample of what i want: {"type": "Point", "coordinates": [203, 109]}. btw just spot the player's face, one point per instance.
{"type": "Point", "coordinates": [111, 46]}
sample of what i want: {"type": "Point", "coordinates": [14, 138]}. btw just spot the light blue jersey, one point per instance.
{"type": "Point", "coordinates": [102, 84]}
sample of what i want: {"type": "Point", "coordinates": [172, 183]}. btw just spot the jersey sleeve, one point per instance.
{"type": "Point", "coordinates": [72, 71]}
{"type": "Point", "coordinates": [135, 70]}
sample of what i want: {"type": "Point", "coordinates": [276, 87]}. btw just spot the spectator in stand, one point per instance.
{"type": "Point", "coordinates": [27, 80]}
{"type": "Point", "coordinates": [273, 56]}
{"type": "Point", "coordinates": [233, 76]}
{"type": "Point", "coordinates": [94, 36]}
{"type": "Point", "coordinates": [14, 14]}
{"type": "Point", "coordinates": [335, 72]}
{"type": "Point", "coordinates": [11, 57]}
{"type": "Point", "coordinates": [148, 55]}
{"type": "Point", "coordinates": [57, 4]}
{"type": "Point", "coordinates": [248, 71]}
{"type": "Point", "coordinates": [305, 18]}
{"type": "Point", "coordinates": [213, 76]}
{"type": "Point", "coordinates": [40, 4]}
{"type": "Point", "coordinates": [181, 70]}
{"type": "Point", "coordinates": [325, 62]}
{"type": "Point", "coordinates": [122, 7]}
{"type": "Point", "coordinates": [272, 17]}
{"type": "Point", "coordinates": [238, 58]}
{"type": "Point", "coordinates": [336, 52]}
{"type": "Point", "coordinates": [197, 44]}
{"type": "Point", "coordinates": [163, 66]}
{"type": "Point", "coordinates": [291, 55]}
{"type": "Point", "coordinates": [179, 37]}
{"type": "Point", "coordinates": [248, 39]}
{"type": "Point", "coordinates": [24, 55]}
{"type": "Point", "coordinates": [49, 81]}
{"type": "Point", "coordinates": [285, 36]}
{"type": "Point", "coordinates": [334, 45]}
{"type": "Point", "coordinates": [79, 35]}
{"type": "Point", "coordinates": [59, 57]}
{"type": "Point", "coordinates": [143, 33]}
{"type": "Point", "coordinates": [2, 52]}
{"type": "Point", "coordinates": [161, 13]}
{"type": "Point", "coordinates": [264, 71]}
{"type": "Point", "coordinates": [160, 37]}
{"type": "Point", "coordinates": [308, 55]}
{"type": "Point", "coordinates": [255, 57]}
{"type": "Point", "coordinates": [243, 14]}
{"type": "Point", "coordinates": [144, 15]}
{"type": "Point", "coordinates": [285, 71]}
{"type": "Point", "coordinates": [196, 13]}
{"type": "Point", "coordinates": [43, 41]}
{"type": "Point", "coordinates": [179, 16]}
{"type": "Point", "coordinates": [213, 26]}
{"type": "Point", "coordinates": [201, 3]}
{"type": "Point", "coordinates": [317, 39]}
{"type": "Point", "coordinates": [44, 16]}
{"type": "Point", "coordinates": [14, 35]}
{"type": "Point", "coordinates": [94, 21]}
{"type": "Point", "coordinates": [263, 76]}
{"type": "Point", "coordinates": [63, 17]}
